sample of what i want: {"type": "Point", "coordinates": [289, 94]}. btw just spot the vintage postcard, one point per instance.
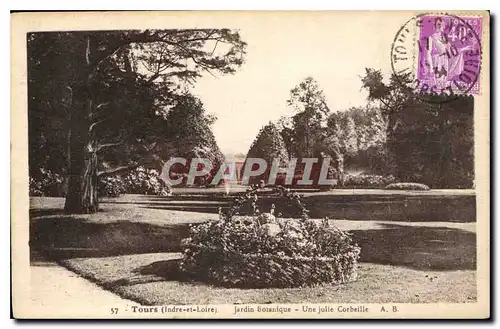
{"type": "Point", "coordinates": [251, 165]}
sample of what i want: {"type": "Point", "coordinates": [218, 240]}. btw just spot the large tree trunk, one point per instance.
{"type": "Point", "coordinates": [81, 196]}
{"type": "Point", "coordinates": [90, 200]}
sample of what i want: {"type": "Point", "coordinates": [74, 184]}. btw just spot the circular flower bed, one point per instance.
{"type": "Point", "coordinates": [264, 250]}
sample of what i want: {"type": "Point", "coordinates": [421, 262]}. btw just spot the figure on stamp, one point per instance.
{"type": "Point", "coordinates": [444, 59]}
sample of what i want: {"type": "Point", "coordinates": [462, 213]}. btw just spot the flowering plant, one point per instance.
{"type": "Point", "coordinates": [47, 183]}
{"type": "Point", "coordinates": [139, 181]}
{"type": "Point", "coordinates": [111, 186]}
{"type": "Point", "coordinates": [264, 250]}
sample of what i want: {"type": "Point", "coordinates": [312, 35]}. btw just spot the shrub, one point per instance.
{"type": "Point", "coordinates": [144, 181]}
{"type": "Point", "coordinates": [111, 186]}
{"type": "Point", "coordinates": [48, 183]}
{"type": "Point", "coordinates": [267, 251]}
{"type": "Point", "coordinates": [139, 181]}
{"type": "Point", "coordinates": [407, 186]}
{"type": "Point", "coordinates": [367, 181]}
{"type": "Point", "coordinates": [35, 187]}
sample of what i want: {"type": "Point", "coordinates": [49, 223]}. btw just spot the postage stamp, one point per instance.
{"type": "Point", "coordinates": [238, 165]}
{"type": "Point", "coordinates": [439, 54]}
{"type": "Point", "coordinates": [450, 53]}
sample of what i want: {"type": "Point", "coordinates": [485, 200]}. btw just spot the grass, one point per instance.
{"type": "Point", "coordinates": [148, 279]}
{"type": "Point", "coordinates": [132, 248]}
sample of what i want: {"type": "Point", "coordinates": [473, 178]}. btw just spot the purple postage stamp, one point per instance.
{"type": "Point", "coordinates": [449, 58]}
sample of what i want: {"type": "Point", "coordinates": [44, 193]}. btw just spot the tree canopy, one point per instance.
{"type": "Point", "coordinates": [190, 132]}
{"type": "Point", "coordinates": [305, 127]}
{"type": "Point", "coordinates": [268, 145]}
{"type": "Point", "coordinates": [430, 139]}
{"type": "Point", "coordinates": [96, 95]}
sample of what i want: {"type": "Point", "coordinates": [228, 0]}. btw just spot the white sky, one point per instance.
{"type": "Point", "coordinates": [333, 49]}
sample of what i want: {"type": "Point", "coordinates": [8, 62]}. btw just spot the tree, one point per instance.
{"type": "Point", "coordinates": [285, 125]}
{"type": "Point", "coordinates": [269, 146]}
{"type": "Point", "coordinates": [191, 133]}
{"type": "Point", "coordinates": [111, 89]}
{"type": "Point", "coordinates": [391, 97]}
{"type": "Point", "coordinates": [309, 102]}
{"type": "Point", "coordinates": [350, 136]}
{"type": "Point", "coordinates": [425, 138]}
{"type": "Point", "coordinates": [377, 129]}
{"type": "Point", "coordinates": [357, 138]}
{"type": "Point", "coordinates": [334, 145]}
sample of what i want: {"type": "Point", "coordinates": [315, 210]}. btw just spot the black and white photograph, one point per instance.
{"type": "Point", "coordinates": [251, 165]}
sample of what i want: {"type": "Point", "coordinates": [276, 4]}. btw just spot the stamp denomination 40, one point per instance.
{"type": "Point", "coordinates": [439, 54]}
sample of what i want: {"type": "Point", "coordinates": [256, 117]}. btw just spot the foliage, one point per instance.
{"type": "Point", "coordinates": [434, 144]}
{"type": "Point", "coordinates": [341, 135]}
{"type": "Point", "coordinates": [144, 181]}
{"type": "Point", "coordinates": [47, 183]}
{"type": "Point", "coordinates": [139, 181]}
{"type": "Point", "coordinates": [190, 132]}
{"type": "Point", "coordinates": [305, 133]}
{"type": "Point", "coordinates": [430, 142]}
{"type": "Point", "coordinates": [111, 186]}
{"type": "Point", "coordinates": [35, 188]}
{"type": "Point", "coordinates": [350, 137]}
{"type": "Point", "coordinates": [264, 250]}
{"type": "Point", "coordinates": [269, 146]}
{"type": "Point", "coordinates": [101, 96]}
{"type": "Point", "coordinates": [367, 181]}
{"type": "Point", "coordinates": [359, 135]}
{"type": "Point", "coordinates": [191, 136]}
{"type": "Point", "coordinates": [305, 127]}
{"type": "Point", "coordinates": [407, 186]}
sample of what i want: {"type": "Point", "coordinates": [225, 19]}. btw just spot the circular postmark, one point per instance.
{"type": "Point", "coordinates": [438, 54]}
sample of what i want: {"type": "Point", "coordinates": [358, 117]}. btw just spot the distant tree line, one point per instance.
{"type": "Point", "coordinates": [396, 134]}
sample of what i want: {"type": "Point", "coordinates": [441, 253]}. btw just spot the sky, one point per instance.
{"type": "Point", "coordinates": [281, 52]}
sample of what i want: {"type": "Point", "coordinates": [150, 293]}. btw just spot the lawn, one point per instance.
{"type": "Point", "coordinates": [150, 279]}
{"type": "Point", "coordinates": [132, 248]}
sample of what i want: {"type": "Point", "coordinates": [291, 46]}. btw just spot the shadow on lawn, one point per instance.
{"type": "Point", "coordinates": [418, 247]}
{"type": "Point", "coordinates": [265, 205]}
{"type": "Point", "coordinates": [352, 207]}
{"type": "Point", "coordinates": [69, 237]}
{"type": "Point", "coordinates": [167, 270]}
{"type": "Point", "coordinates": [195, 203]}
{"type": "Point", "coordinates": [44, 212]}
